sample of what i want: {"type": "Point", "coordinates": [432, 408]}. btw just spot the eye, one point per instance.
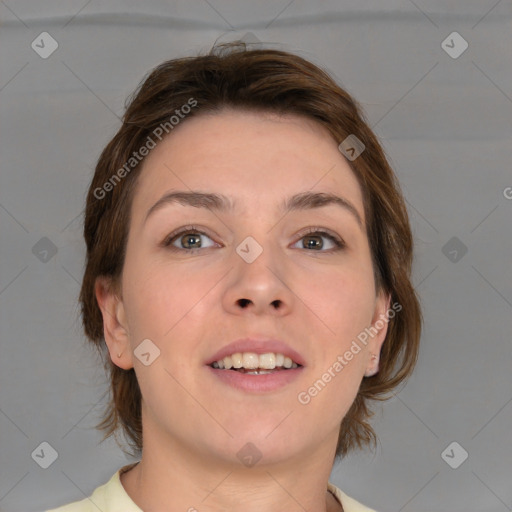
{"type": "Point", "coordinates": [187, 239]}
{"type": "Point", "coordinates": [314, 236]}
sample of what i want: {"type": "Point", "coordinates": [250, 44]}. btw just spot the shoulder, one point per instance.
{"type": "Point", "coordinates": [349, 504]}
{"type": "Point", "coordinates": [109, 497]}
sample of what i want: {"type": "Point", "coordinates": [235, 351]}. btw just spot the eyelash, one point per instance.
{"type": "Point", "coordinates": [338, 242]}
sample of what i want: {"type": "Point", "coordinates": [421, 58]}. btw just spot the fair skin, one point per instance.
{"type": "Point", "coordinates": [189, 305]}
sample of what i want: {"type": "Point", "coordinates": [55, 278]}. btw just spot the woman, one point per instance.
{"type": "Point", "coordinates": [248, 268]}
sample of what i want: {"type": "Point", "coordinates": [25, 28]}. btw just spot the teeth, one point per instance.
{"type": "Point", "coordinates": [253, 361]}
{"type": "Point", "coordinates": [237, 360]}
{"type": "Point", "coordinates": [267, 361]}
{"type": "Point", "coordinates": [250, 360]}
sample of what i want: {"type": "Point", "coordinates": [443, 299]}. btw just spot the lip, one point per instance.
{"type": "Point", "coordinates": [257, 383]}
{"type": "Point", "coordinates": [258, 346]}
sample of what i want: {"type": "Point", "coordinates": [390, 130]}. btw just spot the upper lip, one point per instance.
{"type": "Point", "coordinates": [257, 346]}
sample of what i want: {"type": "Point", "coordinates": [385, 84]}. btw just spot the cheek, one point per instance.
{"type": "Point", "coordinates": [343, 298]}
{"type": "Point", "coordinates": [157, 295]}
{"type": "Point", "coordinates": [161, 304]}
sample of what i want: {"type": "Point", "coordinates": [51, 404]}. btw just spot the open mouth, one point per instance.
{"type": "Point", "coordinates": [256, 373]}
{"type": "Point", "coordinates": [255, 364]}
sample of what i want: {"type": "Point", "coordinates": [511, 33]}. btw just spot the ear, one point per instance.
{"type": "Point", "coordinates": [379, 328]}
{"type": "Point", "coordinates": [115, 328]}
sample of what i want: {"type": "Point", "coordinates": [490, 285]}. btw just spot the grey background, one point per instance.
{"type": "Point", "coordinates": [446, 124]}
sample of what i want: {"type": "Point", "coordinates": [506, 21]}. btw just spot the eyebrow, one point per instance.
{"type": "Point", "coordinates": [222, 203]}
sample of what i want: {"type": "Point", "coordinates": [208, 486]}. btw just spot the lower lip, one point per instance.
{"type": "Point", "coordinates": [257, 383]}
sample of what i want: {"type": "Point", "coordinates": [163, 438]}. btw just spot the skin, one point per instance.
{"type": "Point", "coordinates": [188, 306]}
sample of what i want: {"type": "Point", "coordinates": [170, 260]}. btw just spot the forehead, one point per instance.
{"type": "Point", "coordinates": [255, 158]}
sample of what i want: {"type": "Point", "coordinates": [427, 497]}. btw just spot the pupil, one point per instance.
{"type": "Point", "coordinates": [312, 242]}
{"type": "Point", "coordinates": [190, 239]}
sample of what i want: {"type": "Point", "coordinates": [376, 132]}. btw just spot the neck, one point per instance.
{"type": "Point", "coordinates": [175, 477]}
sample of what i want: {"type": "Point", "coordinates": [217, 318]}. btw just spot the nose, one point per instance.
{"type": "Point", "coordinates": [258, 288]}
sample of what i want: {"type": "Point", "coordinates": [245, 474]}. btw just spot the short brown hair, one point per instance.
{"type": "Point", "coordinates": [232, 76]}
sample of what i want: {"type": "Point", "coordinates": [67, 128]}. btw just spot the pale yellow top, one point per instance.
{"type": "Point", "coordinates": [111, 497]}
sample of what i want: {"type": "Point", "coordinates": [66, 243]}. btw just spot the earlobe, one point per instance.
{"type": "Point", "coordinates": [373, 367]}
{"type": "Point", "coordinates": [115, 328]}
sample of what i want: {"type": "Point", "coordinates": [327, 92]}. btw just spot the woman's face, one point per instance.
{"type": "Point", "coordinates": [251, 272]}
